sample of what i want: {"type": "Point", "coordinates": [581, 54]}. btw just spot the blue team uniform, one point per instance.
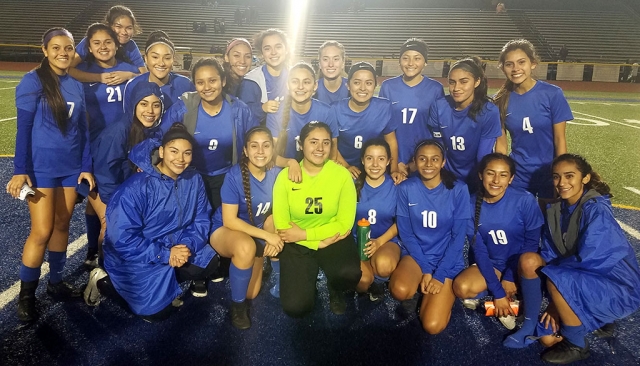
{"type": "Point", "coordinates": [149, 214]}
{"type": "Point", "coordinates": [507, 229]}
{"type": "Point", "coordinates": [110, 151]}
{"type": "Point", "coordinates": [324, 95]}
{"type": "Point", "coordinates": [213, 154]}
{"type": "Point", "coordinates": [171, 91]}
{"type": "Point", "coordinates": [378, 205]}
{"type": "Point", "coordinates": [356, 128]}
{"type": "Point", "coordinates": [259, 86]}
{"type": "Point", "coordinates": [104, 102]}
{"type": "Point", "coordinates": [130, 50]}
{"type": "Point", "coordinates": [600, 280]}
{"type": "Point", "coordinates": [530, 120]}
{"type": "Point", "coordinates": [319, 111]}
{"type": "Point", "coordinates": [411, 107]}
{"type": "Point", "coordinates": [467, 141]}
{"type": "Point", "coordinates": [431, 224]}
{"type": "Point", "coordinates": [42, 150]}
{"type": "Point", "coordinates": [232, 193]}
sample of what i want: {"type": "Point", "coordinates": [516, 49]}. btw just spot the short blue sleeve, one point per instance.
{"type": "Point", "coordinates": [560, 110]}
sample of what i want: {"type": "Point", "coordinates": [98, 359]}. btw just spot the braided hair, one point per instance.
{"type": "Point", "coordinates": [244, 167]}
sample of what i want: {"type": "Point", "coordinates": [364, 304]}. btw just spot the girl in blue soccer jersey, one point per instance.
{"type": "Point", "coordinates": [332, 87]}
{"type": "Point", "coordinates": [265, 87]}
{"type": "Point", "coordinates": [159, 53]}
{"type": "Point", "coordinates": [377, 203]}
{"type": "Point", "coordinates": [158, 224]}
{"type": "Point", "coordinates": [432, 217]}
{"type": "Point", "coordinates": [363, 117]}
{"type": "Point", "coordinates": [52, 157]}
{"type": "Point", "coordinates": [104, 107]}
{"type": "Point", "coordinates": [122, 21]}
{"type": "Point", "coordinates": [586, 263]}
{"type": "Point", "coordinates": [244, 225]}
{"type": "Point", "coordinates": [534, 113]}
{"type": "Point", "coordinates": [298, 109]}
{"type": "Point", "coordinates": [237, 63]}
{"type": "Point", "coordinates": [466, 120]}
{"type": "Point", "coordinates": [412, 95]}
{"type": "Point", "coordinates": [506, 225]}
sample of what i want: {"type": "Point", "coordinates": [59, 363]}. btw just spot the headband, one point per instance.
{"type": "Point", "coordinates": [236, 41]}
{"type": "Point", "coordinates": [430, 142]}
{"type": "Point", "coordinates": [413, 45]}
{"type": "Point", "coordinates": [361, 66]}
{"type": "Point", "coordinates": [160, 42]}
{"type": "Point", "coordinates": [55, 33]}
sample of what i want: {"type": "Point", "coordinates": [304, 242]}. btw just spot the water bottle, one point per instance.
{"type": "Point", "coordinates": [363, 235]}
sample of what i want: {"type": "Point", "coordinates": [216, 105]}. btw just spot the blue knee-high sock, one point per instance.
{"type": "Point", "coordinates": [481, 295]}
{"type": "Point", "coordinates": [56, 266]}
{"type": "Point", "coordinates": [28, 274]}
{"type": "Point", "coordinates": [532, 299]}
{"type": "Point", "coordinates": [380, 279]}
{"type": "Point", "coordinates": [275, 266]}
{"type": "Point", "coordinates": [239, 279]}
{"type": "Point", "coordinates": [93, 232]}
{"type": "Point", "coordinates": [574, 334]}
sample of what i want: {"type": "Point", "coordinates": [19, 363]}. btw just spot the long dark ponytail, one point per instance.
{"type": "Point", "coordinates": [473, 65]}
{"type": "Point", "coordinates": [596, 183]}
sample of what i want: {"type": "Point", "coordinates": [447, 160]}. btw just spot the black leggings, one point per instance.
{"type": "Point", "coordinates": [187, 272]}
{"type": "Point", "coordinates": [299, 271]}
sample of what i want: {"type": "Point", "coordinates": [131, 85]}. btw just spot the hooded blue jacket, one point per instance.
{"type": "Point", "coordinates": [110, 163]}
{"type": "Point", "coordinates": [147, 215]}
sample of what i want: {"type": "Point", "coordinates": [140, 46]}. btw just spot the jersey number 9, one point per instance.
{"type": "Point", "coordinates": [213, 144]}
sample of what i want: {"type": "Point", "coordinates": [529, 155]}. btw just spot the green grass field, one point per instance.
{"type": "Point", "coordinates": [606, 131]}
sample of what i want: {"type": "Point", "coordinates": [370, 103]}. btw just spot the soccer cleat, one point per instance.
{"type": "Point", "coordinates": [240, 315]}
{"type": "Point", "coordinates": [508, 321]}
{"type": "Point", "coordinates": [91, 293]}
{"type": "Point", "coordinates": [565, 352]}
{"type": "Point", "coordinates": [275, 290]}
{"type": "Point", "coordinates": [337, 303]}
{"type": "Point", "coordinates": [606, 331]}
{"type": "Point", "coordinates": [222, 271]}
{"type": "Point", "coordinates": [177, 302]}
{"type": "Point", "coordinates": [472, 304]}
{"type": "Point", "coordinates": [63, 291]}
{"type": "Point", "coordinates": [199, 288]}
{"type": "Point", "coordinates": [27, 301]}
{"type": "Point", "coordinates": [91, 261]}
{"type": "Point", "coordinates": [376, 291]}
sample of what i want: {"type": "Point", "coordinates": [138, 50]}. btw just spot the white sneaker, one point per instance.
{"type": "Point", "coordinates": [508, 321]}
{"type": "Point", "coordinates": [177, 302]}
{"type": "Point", "coordinates": [91, 293]}
{"type": "Point", "coordinates": [472, 304]}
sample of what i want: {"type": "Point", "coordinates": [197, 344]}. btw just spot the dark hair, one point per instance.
{"type": "Point", "coordinates": [359, 66]}
{"type": "Point", "coordinates": [286, 110]}
{"type": "Point", "coordinates": [473, 65]}
{"type": "Point", "coordinates": [136, 132]}
{"type": "Point", "coordinates": [378, 141]}
{"type": "Point", "coordinates": [502, 96]}
{"type": "Point", "coordinates": [51, 85]}
{"type": "Point", "coordinates": [331, 44]}
{"type": "Point", "coordinates": [233, 82]}
{"type": "Point", "coordinates": [306, 130]}
{"type": "Point", "coordinates": [158, 36]}
{"type": "Point", "coordinates": [480, 195]}
{"type": "Point", "coordinates": [207, 61]}
{"type": "Point", "coordinates": [119, 10]}
{"type": "Point", "coordinates": [97, 27]}
{"type": "Point", "coordinates": [415, 44]}
{"type": "Point", "coordinates": [259, 38]}
{"type": "Point", "coordinates": [244, 166]}
{"type": "Point", "coordinates": [446, 176]}
{"type": "Point", "coordinates": [585, 168]}
{"type": "Point", "coordinates": [177, 131]}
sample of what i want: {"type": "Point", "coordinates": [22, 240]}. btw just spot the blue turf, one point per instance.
{"type": "Point", "coordinates": [201, 332]}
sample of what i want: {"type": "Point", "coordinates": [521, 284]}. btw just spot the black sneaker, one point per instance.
{"type": "Point", "coordinates": [91, 261]}
{"type": "Point", "coordinates": [240, 315]}
{"type": "Point", "coordinates": [337, 303]}
{"type": "Point", "coordinates": [376, 291]}
{"type": "Point", "coordinates": [198, 288]}
{"type": "Point", "coordinates": [63, 291]}
{"type": "Point", "coordinates": [222, 271]}
{"type": "Point", "coordinates": [606, 331]}
{"type": "Point", "coordinates": [409, 306]}
{"type": "Point", "coordinates": [565, 352]}
{"type": "Point", "coordinates": [27, 302]}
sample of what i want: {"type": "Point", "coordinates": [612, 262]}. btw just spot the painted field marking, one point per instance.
{"type": "Point", "coordinates": [607, 120]}
{"type": "Point", "coordinates": [12, 292]}
{"type": "Point", "coordinates": [13, 87]}
{"type": "Point", "coordinates": [7, 119]}
{"type": "Point", "coordinates": [609, 103]}
{"type": "Point", "coordinates": [634, 190]}
{"type": "Point", "coordinates": [626, 207]}
{"type": "Point", "coordinates": [632, 121]}
{"type": "Point", "coordinates": [9, 81]}
{"type": "Point", "coordinates": [631, 231]}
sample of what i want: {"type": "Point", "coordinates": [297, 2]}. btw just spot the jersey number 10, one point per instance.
{"type": "Point", "coordinates": [429, 219]}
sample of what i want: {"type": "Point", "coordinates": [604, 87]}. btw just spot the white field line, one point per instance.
{"type": "Point", "coordinates": [634, 190]}
{"type": "Point", "coordinates": [12, 292]}
{"type": "Point", "coordinates": [631, 231]}
{"type": "Point", "coordinates": [606, 120]}
{"type": "Point", "coordinates": [13, 87]}
{"type": "Point", "coordinates": [7, 119]}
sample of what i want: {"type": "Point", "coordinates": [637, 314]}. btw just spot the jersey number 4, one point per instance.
{"type": "Point", "coordinates": [315, 204]}
{"type": "Point", "coordinates": [526, 125]}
